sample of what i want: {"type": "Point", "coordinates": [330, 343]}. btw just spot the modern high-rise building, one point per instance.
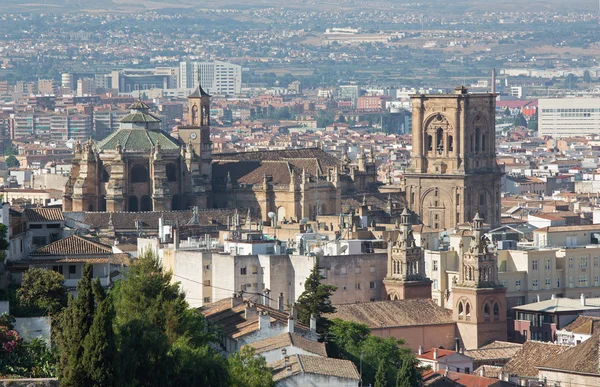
{"type": "Point", "coordinates": [215, 77]}
{"type": "Point", "coordinates": [131, 80]}
{"type": "Point", "coordinates": [566, 117]}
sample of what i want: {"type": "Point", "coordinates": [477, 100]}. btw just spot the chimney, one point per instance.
{"type": "Point", "coordinates": [236, 300]}
{"type": "Point", "coordinates": [552, 297]}
{"type": "Point", "coordinates": [493, 81]}
{"type": "Point", "coordinates": [582, 299]}
{"type": "Point", "coordinates": [283, 353]}
{"type": "Point", "coordinates": [313, 323]}
{"type": "Point", "coordinates": [250, 310]}
{"type": "Point", "coordinates": [482, 372]}
{"type": "Point", "coordinates": [267, 297]}
{"type": "Point", "coordinates": [290, 324]}
{"type": "Point", "coordinates": [538, 297]}
{"type": "Point", "coordinates": [288, 370]}
{"type": "Point", "coordinates": [435, 354]}
{"type": "Point", "coordinates": [457, 344]}
{"type": "Point", "coordinates": [176, 237]}
{"type": "Point", "coordinates": [420, 350]}
{"type": "Point", "coordinates": [286, 361]}
{"type": "Point", "coordinates": [280, 302]}
{"type": "Point", "coordinates": [446, 371]}
{"type": "Point", "coordinates": [264, 321]}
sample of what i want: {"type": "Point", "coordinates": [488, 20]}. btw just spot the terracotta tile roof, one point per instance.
{"type": "Point", "coordinates": [115, 259]}
{"type": "Point", "coordinates": [469, 380]}
{"type": "Point", "coordinates": [428, 355]}
{"type": "Point", "coordinates": [532, 355]}
{"type": "Point", "coordinates": [44, 214]}
{"type": "Point", "coordinates": [489, 371]}
{"type": "Point", "coordinates": [584, 358]}
{"type": "Point", "coordinates": [148, 220]}
{"type": "Point", "coordinates": [497, 350]}
{"type": "Point", "coordinates": [314, 365]}
{"type": "Point", "coordinates": [583, 227]}
{"type": "Point", "coordinates": [287, 339]}
{"type": "Point", "coordinates": [233, 322]}
{"type": "Point", "coordinates": [586, 325]}
{"type": "Point", "coordinates": [383, 314]}
{"type": "Point", "coordinates": [73, 245]}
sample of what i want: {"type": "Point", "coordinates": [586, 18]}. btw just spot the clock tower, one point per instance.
{"type": "Point", "coordinates": [196, 136]}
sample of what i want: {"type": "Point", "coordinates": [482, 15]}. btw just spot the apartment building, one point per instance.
{"type": "Point", "coordinates": [264, 273]}
{"type": "Point", "coordinates": [569, 117]}
{"type": "Point", "coordinates": [215, 77]}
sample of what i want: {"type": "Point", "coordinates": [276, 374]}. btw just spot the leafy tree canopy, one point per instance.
{"type": "Point", "coordinates": [44, 290]}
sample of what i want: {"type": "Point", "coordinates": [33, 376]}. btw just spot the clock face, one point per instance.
{"type": "Point", "coordinates": [193, 136]}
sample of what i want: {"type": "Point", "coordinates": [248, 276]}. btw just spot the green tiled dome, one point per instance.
{"type": "Point", "coordinates": [138, 132]}
{"type": "Point", "coordinates": [138, 140]}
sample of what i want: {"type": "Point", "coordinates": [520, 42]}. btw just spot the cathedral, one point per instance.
{"type": "Point", "coordinates": [141, 168]}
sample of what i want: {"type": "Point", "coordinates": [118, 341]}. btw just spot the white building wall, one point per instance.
{"type": "Point", "coordinates": [314, 380]}
{"type": "Point", "coordinates": [275, 355]}
{"type": "Point", "coordinates": [566, 117]}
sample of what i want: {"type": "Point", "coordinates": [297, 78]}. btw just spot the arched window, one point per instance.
{"type": "Point", "coordinates": [481, 199]}
{"type": "Point", "coordinates": [171, 173]}
{"type": "Point", "coordinates": [439, 146]}
{"type": "Point", "coordinates": [146, 203]}
{"type": "Point", "coordinates": [461, 310]}
{"type": "Point", "coordinates": [176, 203]}
{"type": "Point", "coordinates": [133, 204]}
{"type": "Point", "coordinates": [412, 198]}
{"type": "Point", "coordinates": [429, 143]}
{"type": "Point", "coordinates": [450, 144]}
{"type": "Point", "coordinates": [105, 175]}
{"type": "Point", "coordinates": [477, 139]}
{"type": "Point", "coordinates": [483, 143]}
{"type": "Point", "coordinates": [486, 312]}
{"type": "Point", "coordinates": [496, 311]}
{"type": "Point", "coordinates": [467, 309]}
{"type": "Point", "coordinates": [195, 115]}
{"type": "Point", "coordinates": [102, 204]}
{"type": "Point", "coordinates": [139, 174]}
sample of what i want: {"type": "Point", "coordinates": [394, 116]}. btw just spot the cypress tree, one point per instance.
{"type": "Point", "coordinates": [74, 325]}
{"type": "Point", "coordinates": [316, 299]}
{"type": "Point", "coordinates": [380, 378]}
{"type": "Point", "coordinates": [99, 347]}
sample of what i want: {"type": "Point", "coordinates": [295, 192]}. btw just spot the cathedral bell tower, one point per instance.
{"type": "Point", "coordinates": [453, 172]}
{"type": "Point", "coordinates": [405, 277]}
{"type": "Point", "coordinates": [479, 300]}
{"type": "Point", "coordinates": [198, 150]}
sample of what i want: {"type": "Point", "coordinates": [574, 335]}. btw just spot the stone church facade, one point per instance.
{"type": "Point", "coordinates": [141, 168]}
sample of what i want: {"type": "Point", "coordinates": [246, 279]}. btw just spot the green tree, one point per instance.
{"type": "Point", "coordinates": [248, 370]}
{"type": "Point", "coordinates": [408, 374]}
{"type": "Point", "coordinates": [4, 243]}
{"type": "Point", "coordinates": [341, 118]}
{"type": "Point", "coordinates": [73, 326]}
{"type": "Point", "coordinates": [520, 120]}
{"type": "Point", "coordinates": [99, 347]}
{"type": "Point", "coordinates": [571, 81]}
{"type": "Point", "coordinates": [352, 341]}
{"type": "Point", "coordinates": [43, 290]}
{"type": "Point", "coordinates": [532, 125]}
{"type": "Point", "coordinates": [12, 162]}
{"type": "Point", "coordinates": [380, 378]}
{"type": "Point", "coordinates": [315, 300]}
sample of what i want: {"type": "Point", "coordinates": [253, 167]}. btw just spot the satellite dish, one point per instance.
{"type": "Point", "coordinates": [343, 249]}
{"type": "Point", "coordinates": [318, 252]}
{"type": "Point", "coordinates": [304, 220]}
{"type": "Point", "coordinates": [271, 215]}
